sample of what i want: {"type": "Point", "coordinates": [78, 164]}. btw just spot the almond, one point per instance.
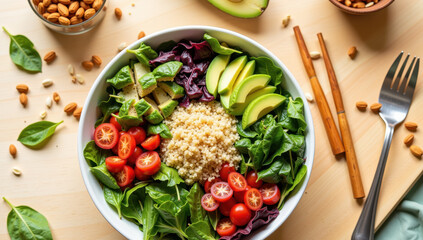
{"type": "Point", "coordinates": [73, 7]}
{"type": "Point", "coordinates": [56, 97]}
{"type": "Point", "coordinates": [411, 126]}
{"type": "Point", "coordinates": [52, 8]}
{"type": "Point", "coordinates": [352, 52]}
{"type": "Point", "coordinates": [96, 60]}
{"type": "Point", "coordinates": [97, 4]}
{"type": "Point", "coordinates": [361, 105]}
{"type": "Point", "coordinates": [35, 2]}
{"type": "Point", "coordinates": [70, 108]}
{"type": "Point", "coordinates": [88, 65]}
{"type": "Point", "coordinates": [50, 56]}
{"type": "Point", "coordinates": [63, 10]}
{"type": "Point", "coordinates": [359, 5]}
{"type": "Point", "coordinates": [23, 99]}
{"type": "Point", "coordinates": [84, 5]}
{"type": "Point", "coordinates": [89, 13]}
{"type": "Point", "coordinates": [12, 150]}
{"type": "Point", "coordinates": [22, 88]}
{"type": "Point", "coordinates": [88, 2]}
{"type": "Point", "coordinates": [141, 34]}
{"type": "Point", "coordinates": [118, 13]}
{"type": "Point", "coordinates": [65, 2]}
{"type": "Point", "coordinates": [409, 139]}
{"type": "Point", "coordinates": [80, 12]}
{"type": "Point", "coordinates": [64, 21]}
{"type": "Point", "coordinates": [416, 151]}
{"type": "Point", "coordinates": [46, 3]}
{"type": "Point", "coordinates": [74, 20]}
{"type": "Point", "coordinates": [77, 113]}
{"type": "Point", "coordinates": [375, 107]}
{"type": "Point", "coordinates": [41, 9]}
{"type": "Point", "coordinates": [45, 15]}
{"type": "Point", "coordinates": [54, 1]}
{"type": "Point", "coordinates": [54, 17]}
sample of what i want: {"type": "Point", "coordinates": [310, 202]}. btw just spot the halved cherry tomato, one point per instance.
{"type": "Point", "coordinates": [209, 184]}
{"type": "Point", "coordinates": [151, 142]}
{"type": "Point", "coordinates": [126, 146]}
{"type": "Point", "coordinates": [239, 196]}
{"type": "Point", "coordinates": [138, 133]}
{"type": "Point", "coordinates": [115, 149]}
{"type": "Point", "coordinates": [115, 122]}
{"type": "Point", "coordinates": [125, 177]}
{"type": "Point", "coordinates": [225, 227]}
{"type": "Point", "coordinates": [271, 193]}
{"type": "Point", "coordinates": [106, 136]}
{"type": "Point", "coordinates": [225, 170]}
{"type": "Point", "coordinates": [115, 164]}
{"type": "Point", "coordinates": [148, 163]}
{"type": "Point", "coordinates": [225, 207]}
{"type": "Point", "coordinates": [221, 191]}
{"type": "Point", "coordinates": [240, 214]}
{"type": "Point", "coordinates": [252, 180]}
{"type": "Point", "coordinates": [237, 182]}
{"type": "Point", "coordinates": [209, 203]}
{"type": "Point", "coordinates": [141, 176]}
{"type": "Point", "coordinates": [133, 158]}
{"type": "Point", "coordinates": [253, 199]}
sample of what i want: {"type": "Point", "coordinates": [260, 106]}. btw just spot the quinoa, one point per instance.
{"type": "Point", "coordinates": [203, 139]}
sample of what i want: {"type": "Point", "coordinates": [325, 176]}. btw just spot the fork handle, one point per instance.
{"type": "Point", "coordinates": [364, 230]}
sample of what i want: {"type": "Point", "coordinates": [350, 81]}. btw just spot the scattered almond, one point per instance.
{"type": "Point", "coordinates": [56, 97]}
{"type": "Point", "coordinates": [416, 151]}
{"type": "Point", "coordinates": [22, 88]}
{"type": "Point", "coordinates": [118, 13]}
{"type": "Point", "coordinates": [361, 105]}
{"type": "Point", "coordinates": [315, 55]}
{"type": "Point", "coordinates": [309, 97]}
{"type": "Point", "coordinates": [23, 99]}
{"type": "Point", "coordinates": [16, 171]}
{"type": "Point", "coordinates": [47, 82]}
{"type": "Point", "coordinates": [71, 70]}
{"type": "Point", "coordinates": [64, 21]}
{"type": "Point", "coordinates": [286, 21]}
{"type": "Point", "coordinates": [88, 65]}
{"type": "Point", "coordinates": [49, 57]}
{"type": "Point", "coordinates": [411, 126]}
{"type": "Point", "coordinates": [375, 107]}
{"type": "Point", "coordinates": [43, 114]}
{"type": "Point", "coordinates": [89, 13]}
{"type": "Point", "coordinates": [122, 46]}
{"type": "Point", "coordinates": [141, 34]}
{"type": "Point", "coordinates": [409, 139]}
{"type": "Point", "coordinates": [352, 52]}
{"type": "Point", "coordinates": [49, 102]}
{"type": "Point", "coordinates": [77, 113]}
{"type": "Point", "coordinates": [70, 108]}
{"type": "Point", "coordinates": [12, 150]}
{"type": "Point", "coordinates": [96, 60]}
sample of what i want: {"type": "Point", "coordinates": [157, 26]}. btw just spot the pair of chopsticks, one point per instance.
{"type": "Point", "coordinates": [338, 146]}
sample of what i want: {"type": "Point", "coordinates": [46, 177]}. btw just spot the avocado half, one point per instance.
{"type": "Point", "coordinates": [241, 8]}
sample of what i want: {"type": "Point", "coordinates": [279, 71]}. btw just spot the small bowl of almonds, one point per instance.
{"type": "Point", "coordinates": [69, 17]}
{"type": "Point", "coordinates": [361, 7]}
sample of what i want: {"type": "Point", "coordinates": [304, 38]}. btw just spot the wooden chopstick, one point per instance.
{"type": "Point", "coordinates": [354, 172]}
{"type": "Point", "coordinates": [322, 103]}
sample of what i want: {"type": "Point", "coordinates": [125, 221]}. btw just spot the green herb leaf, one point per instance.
{"type": "Point", "coordinates": [197, 212]}
{"type": "Point", "coordinates": [131, 191]}
{"type": "Point", "coordinates": [23, 53]}
{"type": "Point", "coordinates": [168, 174]}
{"type": "Point", "coordinates": [295, 110]}
{"type": "Point", "coordinates": [174, 216]}
{"type": "Point", "coordinates": [149, 219]}
{"type": "Point", "coordinates": [298, 179]}
{"type": "Point", "coordinates": [161, 129]}
{"type": "Point", "coordinates": [94, 155]}
{"type": "Point", "coordinates": [242, 145]}
{"type": "Point", "coordinates": [243, 165]}
{"type": "Point", "coordinates": [114, 198]}
{"type": "Point", "coordinates": [214, 218]}
{"type": "Point", "coordinates": [248, 133]}
{"type": "Point", "coordinates": [109, 106]}
{"type": "Point", "coordinates": [271, 174]}
{"type": "Point", "coordinates": [133, 211]}
{"type": "Point", "coordinates": [199, 231]}
{"type": "Point", "coordinates": [265, 65]}
{"type": "Point", "coordinates": [34, 135]}
{"type": "Point", "coordinates": [104, 176]}
{"type": "Point", "coordinates": [217, 47]}
{"type": "Point", "coordinates": [25, 223]}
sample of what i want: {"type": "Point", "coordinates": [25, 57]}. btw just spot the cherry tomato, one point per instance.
{"type": "Point", "coordinates": [225, 207]}
{"type": "Point", "coordinates": [115, 122]}
{"type": "Point", "coordinates": [115, 149]}
{"type": "Point", "coordinates": [141, 176]}
{"type": "Point", "coordinates": [138, 133]}
{"type": "Point", "coordinates": [240, 214]}
{"type": "Point", "coordinates": [106, 136]}
{"type": "Point", "coordinates": [148, 163]}
{"type": "Point", "coordinates": [237, 182]}
{"type": "Point", "coordinates": [126, 146]}
{"type": "Point", "coordinates": [208, 202]}
{"type": "Point", "coordinates": [151, 142]}
{"type": "Point", "coordinates": [225, 170]}
{"type": "Point", "coordinates": [253, 199]}
{"type": "Point", "coordinates": [134, 156]}
{"type": "Point", "coordinates": [252, 180]}
{"type": "Point", "coordinates": [115, 164]}
{"type": "Point", "coordinates": [209, 184]}
{"type": "Point", "coordinates": [271, 193]}
{"type": "Point", "coordinates": [125, 177]}
{"type": "Point", "coordinates": [239, 196]}
{"type": "Point", "coordinates": [225, 227]}
{"type": "Point", "coordinates": [221, 191]}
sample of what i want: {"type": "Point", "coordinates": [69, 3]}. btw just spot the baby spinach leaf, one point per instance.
{"type": "Point", "coordinates": [174, 216]}
{"type": "Point", "coordinates": [242, 145]}
{"type": "Point", "coordinates": [36, 134]}
{"type": "Point", "coordinates": [109, 106]}
{"type": "Point", "coordinates": [114, 198]}
{"type": "Point", "coordinates": [161, 129]}
{"type": "Point", "coordinates": [298, 179]}
{"type": "Point", "coordinates": [243, 165]}
{"type": "Point", "coordinates": [133, 211]}
{"type": "Point", "coordinates": [149, 219]}
{"type": "Point", "coordinates": [144, 53]}
{"type": "Point", "coordinates": [94, 155]}
{"type": "Point", "coordinates": [122, 78]}
{"type": "Point", "coordinates": [256, 153]}
{"type": "Point", "coordinates": [160, 193]}
{"type": "Point", "coordinates": [298, 142]}
{"type": "Point", "coordinates": [265, 65]}
{"type": "Point", "coordinates": [248, 133]}
{"type": "Point", "coordinates": [197, 212]}
{"type": "Point", "coordinates": [23, 53]}
{"type": "Point", "coordinates": [199, 231]}
{"type": "Point", "coordinates": [272, 140]}
{"type": "Point", "coordinates": [214, 218]}
{"type": "Point", "coordinates": [25, 223]}
{"type": "Point", "coordinates": [295, 110]}
{"type": "Point", "coordinates": [287, 122]}
{"type": "Point", "coordinates": [217, 47]}
{"type": "Point", "coordinates": [168, 174]}
{"type": "Point", "coordinates": [132, 192]}
{"type": "Point", "coordinates": [271, 174]}
{"type": "Point", "coordinates": [104, 176]}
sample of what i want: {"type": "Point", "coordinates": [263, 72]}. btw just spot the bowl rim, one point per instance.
{"type": "Point", "coordinates": [307, 113]}
{"type": "Point", "coordinates": [360, 11]}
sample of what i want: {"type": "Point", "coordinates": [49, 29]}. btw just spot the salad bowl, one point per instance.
{"type": "Point", "coordinates": [90, 114]}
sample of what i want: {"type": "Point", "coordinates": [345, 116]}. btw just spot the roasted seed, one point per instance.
{"type": "Point", "coordinates": [12, 150]}
{"type": "Point", "coordinates": [409, 139]}
{"type": "Point", "coordinates": [118, 13]}
{"type": "Point", "coordinates": [411, 126]}
{"type": "Point", "coordinates": [309, 97]}
{"type": "Point", "coordinates": [23, 99]}
{"type": "Point", "coordinates": [70, 108]}
{"type": "Point", "coordinates": [56, 97]}
{"type": "Point", "coordinates": [71, 70]}
{"type": "Point", "coordinates": [96, 60]}
{"type": "Point", "coordinates": [47, 82]}
{"type": "Point", "coordinates": [16, 171]}
{"type": "Point", "coordinates": [43, 114]}
{"type": "Point", "coordinates": [122, 46]}
{"type": "Point", "coordinates": [315, 55]}
{"type": "Point", "coordinates": [49, 102]}
{"type": "Point", "coordinates": [22, 88]}
{"type": "Point", "coordinates": [361, 105]}
{"type": "Point", "coordinates": [375, 107]}
{"type": "Point", "coordinates": [416, 151]}
{"type": "Point", "coordinates": [80, 78]}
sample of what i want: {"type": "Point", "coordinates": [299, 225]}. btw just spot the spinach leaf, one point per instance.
{"type": "Point", "coordinates": [109, 106]}
{"type": "Point", "coordinates": [242, 145]}
{"type": "Point", "coordinates": [298, 179]}
{"type": "Point", "coordinates": [114, 198]}
{"type": "Point", "coordinates": [285, 169]}
{"type": "Point", "coordinates": [149, 218]}
{"type": "Point", "coordinates": [271, 174]}
{"type": "Point", "coordinates": [287, 122]}
{"type": "Point", "coordinates": [133, 211]}
{"type": "Point", "coordinates": [271, 143]}
{"type": "Point", "coordinates": [144, 53]}
{"type": "Point", "coordinates": [248, 133]}
{"type": "Point", "coordinates": [174, 216]}
{"type": "Point", "coordinates": [266, 122]}
{"type": "Point", "coordinates": [160, 193]}
{"type": "Point", "coordinates": [214, 218]}
{"type": "Point", "coordinates": [217, 47]}
{"type": "Point", "coordinates": [23, 53]}
{"type": "Point", "coordinates": [298, 142]}
{"type": "Point", "coordinates": [104, 176]}
{"type": "Point", "coordinates": [295, 110]}
{"type": "Point", "coordinates": [25, 223]}
{"type": "Point", "coordinates": [94, 155]}
{"type": "Point", "coordinates": [199, 231]}
{"type": "Point", "coordinates": [266, 66]}
{"type": "Point", "coordinates": [168, 174]}
{"type": "Point", "coordinates": [256, 153]}
{"type": "Point", "coordinates": [166, 46]}
{"type": "Point", "coordinates": [161, 129]}
{"type": "Point", "coordinates": [36, 134]}
{"type": "Point", "coordinates": [243, 165]}
{"type": "Point", "coordinates": [122, 78]}
{"type": "Point", "coordinates": [134, 190]}
{"type": "Point", "coordinates": [197, 212]}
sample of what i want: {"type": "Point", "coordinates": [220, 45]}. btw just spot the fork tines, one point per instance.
{"type": "Point", "coordinates": [405, 85]}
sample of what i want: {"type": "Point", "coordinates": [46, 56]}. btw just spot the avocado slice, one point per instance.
{"type": "Point", "coordinates": [247, 86]}
{"type": "Point", "coordinates": [241, 8]}
{"type": "Point", "coordinates": [230, 74]}
{"type": "Point", "coordinates": [260, 107]}
{"type": "Point", "coordinates": [147, 83]}
{"type": "Point", "coordinates": [247, 71]}
{"type": "Point", "coordinates": [160, 96]}
{"type": "Point", "coordinates": [216, 67]}
{"type": "Point", "coordinates": [167, 71]}
{"type": "Point", "coordinates": [238, 109]}
{"type": "Point", "coordinates": [122, 78]}
{"type": "Point", "coordinates": [168, 107]}
{"type": "Point", "coordinates": [225, 100]}
{"type": "Point", "coordinates": [173, 89]}
{"type": "Point", "coordinates": [129, 92]}
{"type": "Point", "coordinates": [142, 107]}
{"type": "Point", "coordinates": [140, 70]}
{"type": "Point", "coordinates": [153, 114]}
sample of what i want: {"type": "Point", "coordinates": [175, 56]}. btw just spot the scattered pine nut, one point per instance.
{"type": "Point", "coordinates": [43, 114]}
{"type": "Point", "coordinates": [12, 150]}
{"type": "Point", "coordinates": [47, 82]}
{"type": "Point", "coordinates": [286, 21]}
{"type": "Point", "coordinates": [49, 102]}
{"type": "Point", "coordinates": [16, 171]}
{"type": "Point", "coordinates": [79, 78]}
{"type": "Point", "coordinates": [369, 4]}
{"type": "Point", "coordinates": [122, 46]}
{"type": "Point", "coordinates": [309, 97]}
{"type": "Point", "coordinates": [71, 69]}
{"type": "Point", "coordinates": [315, 55]}
{"type": "Point", "coordinates": [73, 79]}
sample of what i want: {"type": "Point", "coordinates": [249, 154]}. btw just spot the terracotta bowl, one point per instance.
{"type": "Point", "coordinates": [362, 11]}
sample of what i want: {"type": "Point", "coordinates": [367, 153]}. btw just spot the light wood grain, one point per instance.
{"type": "Point", "coordinates": [51, 180]}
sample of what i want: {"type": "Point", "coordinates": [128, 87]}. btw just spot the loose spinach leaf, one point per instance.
{"type": "Point", "coordinates": [174, 216]}
{"type": "Point", "coordinates": [168, 174]}
{"type": "Point", "coordinates": [242, 145]}
{"type": "Point", "coordinates": [149, 218]}
{"type": "Point", "coordinates": [23, 53]}
{"type": "Point", "coordinates": [295, 110]}
{"type": "Point", "coordinates": [248, 133]}
{"type": "Point", "coordinates": [265, 65]}
{"type": "Point", "coordinates": [197, 212]}
{"type": "Point", "coordinates": [214, 218]}
{"type": "Point", "coordinates": [217, 47]}
{"type": "Point", "coordinates": [25, 223]}
{"type": "Point", "coordinates": [104, 176]}
{"type": "Point", "coordinates": [298, 179]}
{"type": "Point", "coordinates": [161, 129]}
{"type": "Point", "coordinates": [94, 155]}
{"type": "Point", "coordinates": [199, 231]}
{"type": "Point", "coordinates": [36, 134]}
{"type": "Point", "coordinates": [114, 198]}
{"type": "Point", "coordinates": [271, 174]}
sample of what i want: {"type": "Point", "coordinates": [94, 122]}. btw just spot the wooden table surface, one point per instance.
{"type": "Point", "coordinates": [51, 181]}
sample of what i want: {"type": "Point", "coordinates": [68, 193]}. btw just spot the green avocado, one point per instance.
{"type": "Point", "coordinates": [216, 67]}
{"type": "Point", "coordinates": [142, 107]}
{"type": "Point", "coordinates": [260, 107]}
{"type": "Point", "coordinates": [128, 116]}
{"type": "Point", "coordinates": [153, 113]}
{"type": "Point", "coordinates": [129, 92]}
{"type": "Point", "coordinates": [230, 74]}
{"type": "Point", "coordinates": [140, 70]}
{"type": "Point", "coordinates": [168, 107]}
{"type": "Point", "coordinates": [173, 89]}
{"type": "Point", "coordinates": [225, 99]}
{"type": "Point", "coordinates": [238, 109]}
{"type": "Point", "coordinates": [160, 96]}
{"type": "Point", "coordinates": [167, 71]}
{"type": "Point", "coordinates": [122, 78]}
{"type": "Point", "coordinates": [147, 83]}
{"type": "Point", "coordinates": [247, 71]}
{"type": "Point", "coordinates": [247, 86]}
{"type": "Point", "coordinates": [241, 8]}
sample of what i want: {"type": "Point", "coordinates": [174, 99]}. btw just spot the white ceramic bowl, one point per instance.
{"type": "Point", "coordinates": [97, 92]}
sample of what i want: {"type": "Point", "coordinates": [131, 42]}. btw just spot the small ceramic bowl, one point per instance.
{"type": "Point", "coordinates": [362, 11]}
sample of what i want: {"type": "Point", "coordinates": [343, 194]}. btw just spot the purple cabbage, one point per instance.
{"type": "Point", "coordinates": [261, 218]}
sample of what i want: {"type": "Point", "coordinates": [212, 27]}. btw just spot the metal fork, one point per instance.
{"type": "Point", "coordinates": [395, 97]}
